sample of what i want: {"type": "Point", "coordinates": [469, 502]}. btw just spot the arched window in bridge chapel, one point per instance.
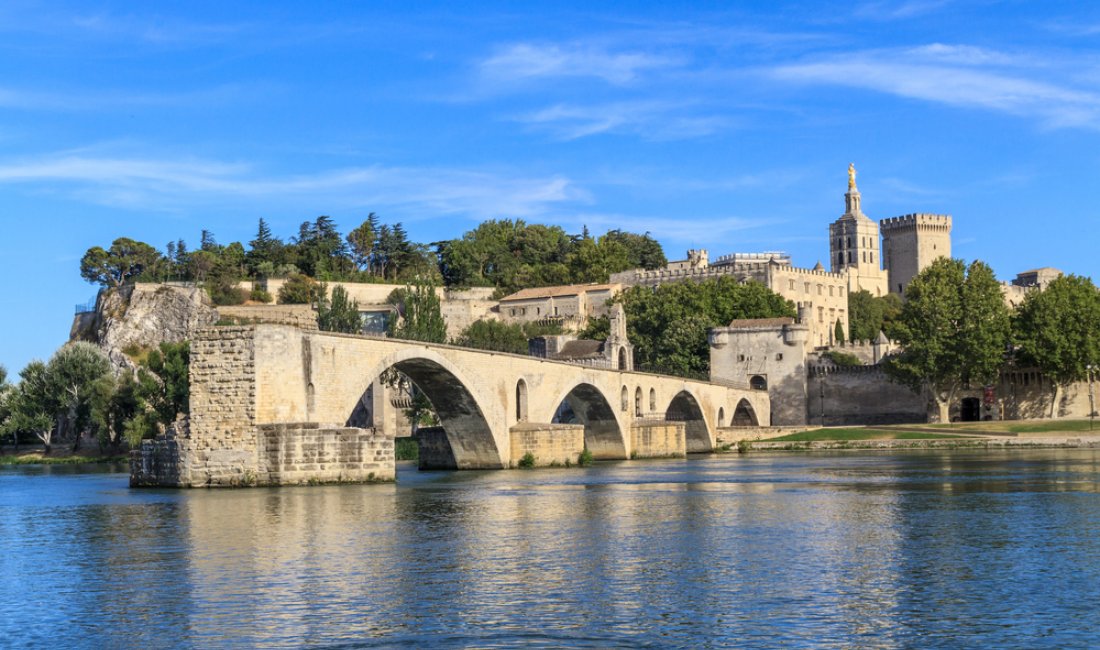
{"type": "Point", "coordinates": [638, 402]}
{"type": "Point", "coordinates": [626, 398]}
{"type": "Point", "coordinates": [622, 358]}
{"type": "Point", "coordinates": [653, 400]}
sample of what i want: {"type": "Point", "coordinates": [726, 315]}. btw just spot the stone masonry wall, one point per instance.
{"type": "Point", "coordinates": [861, 395]}
{"type": "Point", "coordinates": [300, 316]}
{"type": "Point", "coordinates": [658, 440]}
{"type": "Point", "coordinates": [434, 449]}
{"type": "Point", "coordinates": [550, 444]}
{"type": "Point", "coordinates": [221, 447]}
{"type": "Point", "coordinates": [294, 454]}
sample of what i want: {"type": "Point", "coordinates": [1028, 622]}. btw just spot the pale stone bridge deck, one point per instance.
{"type": "Point", "coordinates": [273, 404]}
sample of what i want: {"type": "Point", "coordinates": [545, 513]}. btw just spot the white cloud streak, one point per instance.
{"type": "Point", "coordinates": [956, 76]}
{"type": "Point", "coordinates": [527, 61]}
{"type": "Point", "coordinates": [652, 119]}
{"type": "Point", "coordinates": [159, 184]}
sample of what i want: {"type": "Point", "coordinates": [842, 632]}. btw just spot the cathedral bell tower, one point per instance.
{"type": "Point", "coordinates": [854, 244]}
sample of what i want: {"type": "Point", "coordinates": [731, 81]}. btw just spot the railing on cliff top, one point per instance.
{"type": "Point", "coordinates": [87, 307]}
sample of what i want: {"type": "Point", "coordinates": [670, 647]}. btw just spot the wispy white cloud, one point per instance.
{"type": "Point", "coordinates": [528, 61]}
{"type": "Point", "coordinates": [956, 76]}
{"type": "Point", "coordinates": [894, 10]}
{"type": "Point", "coordinates": [163, 184]}
{"type": "Point", "coordinates": [651, 119]}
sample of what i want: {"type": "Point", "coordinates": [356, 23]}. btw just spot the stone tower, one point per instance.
{"type": "Point", "coordinates": [912, 242]}
{"type": "Point", "coordinates": [854, 244]}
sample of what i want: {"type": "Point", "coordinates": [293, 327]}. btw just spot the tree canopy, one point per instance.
{"type": "Point", "coordinates": [1057, 330]}
{"type": "Point", "coordinates": [668, 325]}
{"type": "Point", "coordinates": [954, 328]}
{"type": "Point", "coordinates": [868, 315]}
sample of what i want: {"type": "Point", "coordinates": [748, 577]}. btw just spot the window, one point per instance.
{"type": "Point", "coordinates": [819, 289]}
{"type": "Point", "coordinates": [625, 398]}
{"type": "Point", "coordinates": [830, 291]}
{"type": "Point", "coordinates": [849, 242]}
{"type": "Point", "coordinates": [841, 291]}
{"type": "Point", "coordinates": [638, 402]}
{"type": "Point", "coordinates": [840, 258]}
{"type": "Point", "coordinates": [778, 356]}
{"type": "Point", "coordinates": [740, 357]}
{"type": "Point", "coordinates": [521, 401]}
{"type": "Point", "coordinates": [821, 314]}
{"type": "Point", "coordinates": [513, 311]}
{"type": "Point", "coordinates": [758, 382]}
{"type": "Point", "coordinates": [849, 257]}
{"type": "Point", "coordinates": [791, 286]}
{"type": "Point", "coordinates": [653, 400]}
{"type": "Point", "coordinates": [806, 287]}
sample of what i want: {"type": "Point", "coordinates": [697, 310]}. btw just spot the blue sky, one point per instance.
{"type": "Point", "coordinates": [727, 126]}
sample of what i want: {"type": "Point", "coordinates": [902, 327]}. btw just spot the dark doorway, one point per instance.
{"type": "Point", "coordinates": [971, 409]}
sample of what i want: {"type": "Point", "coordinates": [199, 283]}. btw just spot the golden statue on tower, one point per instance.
{"type": "Point", "coordinates": [851, 176]}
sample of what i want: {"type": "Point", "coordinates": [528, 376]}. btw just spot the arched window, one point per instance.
{"type": "Point", "coordinates": [622, 358]}
{"type": "Point", "coordinates": [840, 257]}
{"type": "Point", "coordinates": [625, 399]}
{"type": "Point", "coordinates": [653, 400]}
{"type": "Point", "coordinates": [638, 402]}
{"type": "Point", "coordinates": [758, 382]}
{"type": "Point", "coordinates": [521, 401]}
{"type": "Point", "coordinates": [721, 416]}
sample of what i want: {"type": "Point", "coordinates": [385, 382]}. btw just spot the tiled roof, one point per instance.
{"type": "Point", "coordinates": [581, 349]}
{"type": "Point", "coordinates": [553, 292]}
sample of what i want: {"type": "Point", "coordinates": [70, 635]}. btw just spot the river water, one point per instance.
{"type": "Point", "coordinates": [921, 549]}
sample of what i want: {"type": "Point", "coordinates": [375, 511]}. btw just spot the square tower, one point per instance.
{"type": "Point", "coordinates": [912, 242]}
{"type": "Point", "coordinates": [854, 244]}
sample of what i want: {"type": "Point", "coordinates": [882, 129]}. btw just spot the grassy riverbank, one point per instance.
{"type": "Point", "coordinates": [36, 457]}
{"type": "Point", "coordinates": [860, 433]}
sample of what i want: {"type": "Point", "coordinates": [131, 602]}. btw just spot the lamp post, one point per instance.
{"type": "Point", "coordinates": [1092, 407]}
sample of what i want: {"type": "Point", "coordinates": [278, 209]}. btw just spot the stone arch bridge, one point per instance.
{"type": "Point", "coordinates": [273, 404]}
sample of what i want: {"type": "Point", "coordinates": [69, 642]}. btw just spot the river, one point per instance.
{"type": "Point", "coordinates": [928, 549]}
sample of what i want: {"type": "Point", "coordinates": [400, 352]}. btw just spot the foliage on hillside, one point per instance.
{"type": "Point", "coordinates": [668, 326]}
{"type": "Point", "coordinates": [506, 254]}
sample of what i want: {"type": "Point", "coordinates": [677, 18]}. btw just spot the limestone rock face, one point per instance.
{"type": "Point", "coordinates": [143, 316]}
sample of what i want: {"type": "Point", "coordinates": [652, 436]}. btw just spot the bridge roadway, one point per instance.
{"type": "Point", "coordinates": [248, 382]}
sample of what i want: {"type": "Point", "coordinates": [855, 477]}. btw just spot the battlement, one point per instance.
{"type": "Point", "coordinates": [919, 220]}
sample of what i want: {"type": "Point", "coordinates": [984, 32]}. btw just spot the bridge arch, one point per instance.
{"type": "Point", "coordinates": [745, 415]}
{"type": "Point", "coordinates": [603, 432]}
{"type": "Point", "coordinates": [685, 408]}
{"type": "Point", "coordinates": [460, 411]}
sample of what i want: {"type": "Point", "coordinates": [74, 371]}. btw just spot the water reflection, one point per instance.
{"type": "Point", "coordinates": [919, 549]}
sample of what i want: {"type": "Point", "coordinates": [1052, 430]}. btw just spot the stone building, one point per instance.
{"type": "Point", "coordinates": [767, 354]}
{"type": "Point", "coordinates": [912, 242]}
{"type": "Point", "coordinates": [1015, 291]}
{"type": "Point", "coordinates": [615, 352]}
{"type": "Point", "coordinates": [569, 306]}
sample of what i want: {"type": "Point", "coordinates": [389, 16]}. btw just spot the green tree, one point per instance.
{"type": "Point", "coordinates": [164, 382]}
{"type": "Point", "coordinates": [953, 328]}
{"type": "Point", "coordinates": [362, 241]}
{"type": "Point", "coordinates": [1057, 330]}
{"type": "Point", "coordinates": [72, 373]}
{"type": "Point", "coordinates": [594, 260]}
{"type": "Point", "coordinates": [419, 317]}
{"type": "Point", "coordinates": [642, 250]}
{"type": "Point", "coordinates": [838, 333]}
{"type": "Point", "coordinates": [265, 252]}
{"type": "Point", "coordinates": [122, 262]}
{"type": "Point", "coordinates": [340, 314]}
{"type": "Point", "coordinates": [299, 290]}
{"type": "Point", "coordinates": [114, 404]}
{"type": "Point", "coordinates": [868, 315]}
{"type": "Point", "coordinates": [31, 406]}
{"type": "Point", "coordinates": [494, 335]}
{"type": "Point", "coordinates": [668, 325]}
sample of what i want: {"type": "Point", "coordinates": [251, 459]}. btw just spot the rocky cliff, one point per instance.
{"type": "Point", "coordinates": [143, 316]}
